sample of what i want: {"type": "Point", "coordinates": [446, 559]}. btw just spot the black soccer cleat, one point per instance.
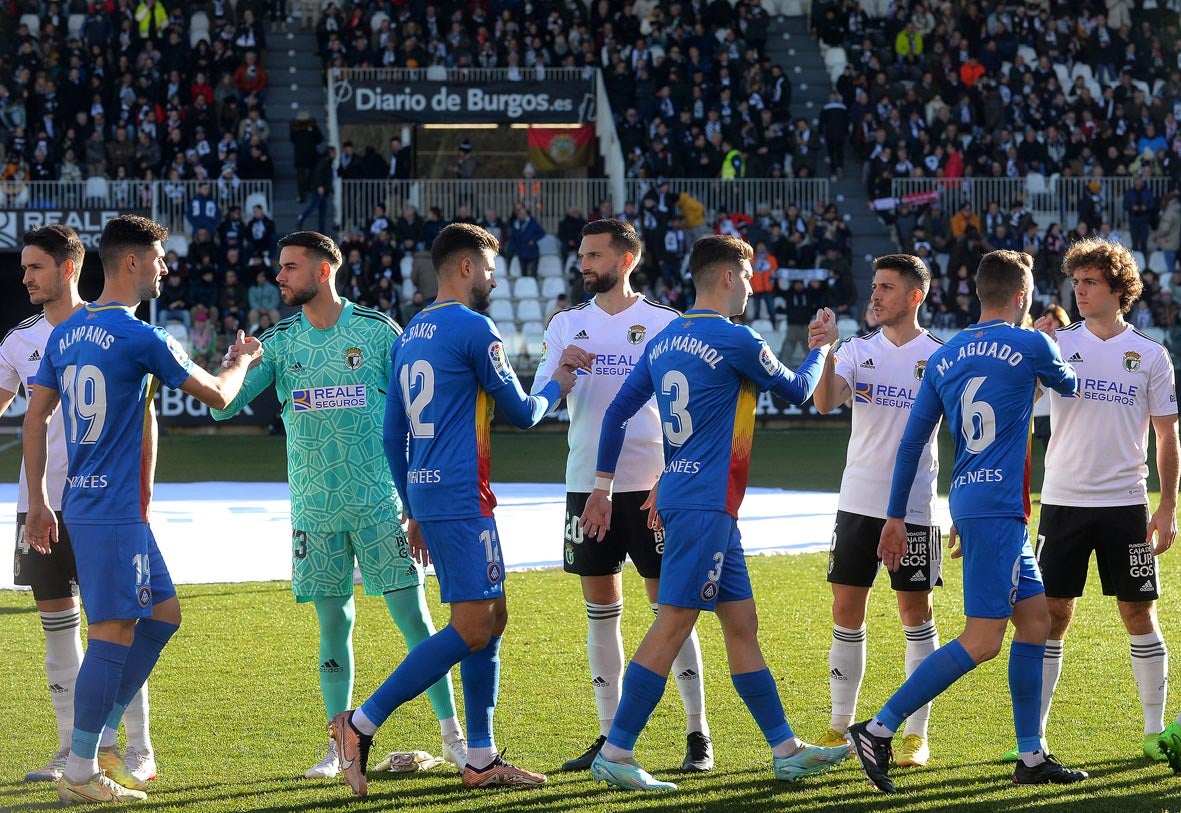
{"type": "Point", "coordinates": [699, 753]}
{"type": "Point", "coordinates": [1049, 772]}
{"type": "Point", "coordinates": [874, 754]}
{"type": "Point", "coordinates": [583, 762]}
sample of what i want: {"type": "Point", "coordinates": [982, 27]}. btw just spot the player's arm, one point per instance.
{"type": "Point", "coordinates": [259, 376]}
{"type": "Point", "coordinates": [834, 388]}
{"type": "Point", "coordinates": [219, 391]}
{"type": "Point", "coordinates": [394, 434]}
{"type": "Point", "coordinates": [1050, 368]}
{"type": "Point", "coordinates": [496, 376]}
{"type": "Point", "coordinates": [41, 522]}
{"type": "Point", "coordinates": [924, 417]}
{"type": "Point", "coordinates": [1168, 467]}
{"type": "Point", "coordinates": [6, 399]}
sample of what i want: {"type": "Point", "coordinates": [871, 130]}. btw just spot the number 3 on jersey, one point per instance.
{"type": "Point", "coordinates": [979, 419]}
{"type": "Point", "coordinates": [678, 429]}
{"type": "Point", "coordinates": [421, 375]}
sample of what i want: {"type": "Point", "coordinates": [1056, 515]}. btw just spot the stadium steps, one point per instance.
{"type": "Point", "coordinates": [296, 84]}
{"type": "Point", "coordinates": [790, 44]}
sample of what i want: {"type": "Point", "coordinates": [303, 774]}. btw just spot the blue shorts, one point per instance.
{"type": "Point", "coordinates": [121, 573]}
{"type": "Point", "coordinates": [466, 556]}
{"type": "Point", "coordinates": [703, 560]}
{"type": "Point", "coordinates": [999, 566]}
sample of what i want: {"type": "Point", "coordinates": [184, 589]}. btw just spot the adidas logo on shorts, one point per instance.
{"type": "Point", "coordinates": [1075, 358]}
{"type": "Point", "coordinates": [1148, 587]}
{"type": "Point", "coordinates": [868, 364]}
{"type": "Point", "coordinates": [918, 576]}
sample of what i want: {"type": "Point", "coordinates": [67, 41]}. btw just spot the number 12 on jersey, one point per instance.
{"type": "Point", "coordinates": [420, 374]}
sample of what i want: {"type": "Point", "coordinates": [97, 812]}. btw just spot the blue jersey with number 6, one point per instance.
{"type": "Point", "coordinates": [105, 362]}
{"type": "Point", "coordinates": [983, 380]}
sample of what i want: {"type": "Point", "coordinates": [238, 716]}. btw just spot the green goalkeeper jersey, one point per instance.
{"type": "Point", "coordinates": [332, 387]}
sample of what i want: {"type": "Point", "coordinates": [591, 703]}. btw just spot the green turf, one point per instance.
{"type": "Point", "coordinates": [237, 717]}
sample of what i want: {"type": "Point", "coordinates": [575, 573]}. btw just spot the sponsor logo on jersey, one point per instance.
{"type": "Point", "coordinates": [1101, 389]}
{"type": "Point", "coordinates": [868, 364]}
{"type": "Point", "coordinates": [768, 360]}
{"type": "Point", "coordinates": [351, 396]}
{"type": "Point", "coordinates": [87, 481]}
{"type": "Point", "coordinates": [862, 395]}
{"type": "Point", "coordinates": [635, 334]}
{"type": "Point", "coordinates": [1131, 361]}
{"type": "Point", "coordinates": [581, 336]}
{"type": "Point", "coordinates": [353, 358]}
{"type": "Point", "coordinates": [544, 353]}
{"type": "Point", "coordinates": [1075, 358]}
{"type": "Point", "coordinates": [498, 358]}
{"type": "Point", "coordinates": [35, 355]}
{"type": "Point", "coordinates": [920, 367]}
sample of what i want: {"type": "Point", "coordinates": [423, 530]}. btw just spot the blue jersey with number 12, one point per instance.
{"type": "Point", "coordinates": [105, 363]}
{"type": "Point", "coordinates": [983, 380]}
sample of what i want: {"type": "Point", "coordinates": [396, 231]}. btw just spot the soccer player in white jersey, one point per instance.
{"type": "Point", "coordinates": [602, 339]}
{"type": "Point", "coordinates": [52, 263]}
{"type": "Point", "coordinates": [1095, 496]}
{"type": "Point", "coordinates": [881, 373]}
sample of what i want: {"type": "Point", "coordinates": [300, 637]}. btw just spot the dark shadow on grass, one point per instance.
{"type": "Point", "coordinates": [31, 608]}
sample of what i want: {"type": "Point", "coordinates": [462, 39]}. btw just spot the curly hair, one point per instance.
{"type": "Point", "coordinates": [1113, 261]}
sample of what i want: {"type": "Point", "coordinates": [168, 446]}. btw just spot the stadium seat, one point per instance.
{"type": "Point", "coordinates": [33, 22]}
{"type": "Point", "coordinates": [1141, 263]}
{"type": "Point", "coordinates": [436, 73]}
{"type": "Point", "coordinates": [1156, 86]}
{"type": "Point", "coordinates": [549, 266]}
{"type": "Point", "coordinates": [1081, 69]}
{"type": "Point", "coordinates": [532, 335]}
{"type": "Point", "coordinates": [526, 288]}
{"type": "Point", "coordinates": [1140, 83]}
{"type": "Point", "coordinates": [761, 326]}
{"type": "Point", "coordinates": [406, 265]}
{"type": "Point", "coordinates": [1027, 53]}
{"type": "Point", "coordinates": [529, 310]}
{"type": "Point", "coordinates": [502, 291]}
{"type": "Point", "coordinates": [835, 56]}
{"type": "Point", "coordinates": [549, 245]}
{"type": "Point", "coordinates": [408, 289]}
{"type": "Point", "coordinates": [178, 331]}
{"type": "Point", "coordinates": [1063, 73]}
{"type": "Point", "coordinates": [98, 190]}
{"type": "Point", "coordinates": [178, 243]}
{"type": "Point", "coordinates": [378, 18]}
{"type": "Point", "coordinates": [258, 198]}
{"type": "Point", "coordinates": [848, 326]}
{"type": "Point", "coordinates": [501, 266]}
{"type": "Point", "coordinates": [1035, 187]}
{"type": "Point", "coordinates": [552, 286]}
{"type": "Point", "coordinates": [1157, 334]}
{"type": "Point", "coordinates": [514, 267]}
{"type": "Point", "coordinates": [1156, 262]}
{"type": "Point", "coordinates": [500, 310]}
{"type": "Point", "coordinates": [775, 339]}
{"type": "Point", "coordinates": [792, 8]}
{"type": "Point", "coordinates": [74, 25]}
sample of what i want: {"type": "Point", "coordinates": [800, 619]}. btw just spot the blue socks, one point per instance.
{"type": "Point", "coordinates": [759, 692]}
{"type": "Point", "coordinates": [151, 636]}
{"type": "Point", "coordinates": [1025, 686]}
{"type": "Point", "coordinates": [424, 665]}
{"type": "Point", "coordinates": [410, 613]}
{"type": "Point", "coordinates": [938, 670]}
{"type": "Point", "coordinates": [99, 680]}
{"type": "Point", "coordinates": [481, 685]}
{"type": "Point", "coordinates": [642, 690]}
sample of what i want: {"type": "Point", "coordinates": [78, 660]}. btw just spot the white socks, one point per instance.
{"type": "Point", "coordinates": [921, 641]}
{"type": "Point", "coordinates": [1051, 672]}
{"type": "Point", "coordinates": [63, 657]}
{"type": "Point", "coordinates": [687, 670]}
{"type": "Point", "coordinates": [1150, 666]}
{"type": "Point", "coordinates": [604, 651]}
{"type": "Point", "coordinates": [846, 668]}
{"type": "Point", "coordinates": [450, 729]}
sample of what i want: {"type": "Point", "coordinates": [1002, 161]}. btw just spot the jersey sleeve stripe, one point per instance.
{"type": "Point", "coordinates": [27, 323]}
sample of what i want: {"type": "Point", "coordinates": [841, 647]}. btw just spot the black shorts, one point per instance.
{"type": "Point", "coordinates": [853, 555]}
{"type": "Point", "coordinates": [1066, 536]}
{"type": "Point", "coordinates": [629, 536]}
{"type": "Point", "coordinates": [52, 575]}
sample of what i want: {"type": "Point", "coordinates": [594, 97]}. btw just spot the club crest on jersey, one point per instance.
{"type": "Point", "coordinates": [353, 358]}
{"type": "Point", "coordinates": [635, 333]}
{"type": "Point", "coordinates": [768, 360]}
{"type": "Point", "coordinates": [709, 591]}
{"type": "Point", "coordinates": [1131, 361]}
{"type": "Point", "coordinates": [498, 358]}
{"type": "Point", "coordinates": [920, 367]}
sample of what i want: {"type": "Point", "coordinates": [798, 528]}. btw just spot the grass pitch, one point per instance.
{"type": "Point", "coordinates": [236, 715]}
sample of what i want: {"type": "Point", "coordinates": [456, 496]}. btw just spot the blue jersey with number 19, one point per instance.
{"type": "Point", "coordinates": [706, 373]}
{"type": "Point", "coordinates": [105, 363]}
{"type": "Point", "coordinates": [448, 368]}
{"type": "Point", "coordinates": [983, 380]}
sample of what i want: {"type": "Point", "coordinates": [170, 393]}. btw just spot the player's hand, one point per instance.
{"type": "Point", "coordinates": [892, 545]}
{"type": "Point", "coordinates": [823, 330]}
{"type": "Point", "coordinates": [575, 358]}
{"type": "Point", "coordinates": [40, 528]}
{"type": "Point", "coordinates": [248, 347]}
{"type": "Point", "coordinates": [596, 516]}
{"type": "Point", "coordinates": [955, 549]}
{"type": "Point", "coordinates": [565, 378]}
{"type": "Point", "coordinates": [654, 523]}
{"type": "Point", "coordinates": [418, 551]}
{"type": "Point", "coordinates": [1047, 324]}
{"type": "Point", "coordinates": [1164, 525]}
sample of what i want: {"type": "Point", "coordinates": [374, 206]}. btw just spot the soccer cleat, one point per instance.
{"type": "Point", "coordinates": [808, 761]}
{"type": "Point", "coordinates": [583, 762]}
{"type": "Point", "coordinates": [501, 773]}
{"type": "Point", "coordinates": [1170, 745]}
{"type": "Point", "coordinates": [832, 739]}
{"type": "Point", "coordinates": [53, 769]}
{"type": "Point", "coordinates": [98, 789]}
{"type": "Point", "coordinates": [1152, 748]}
{"type": "Point", "coordinates": [913, 753]}
{"type": "Point", "coordinates": [626, 775]}
{"type": "Point", "coordinates": [142, 764]}
{"type": "Point", "coordinates": [1011, 756]}
{"type": "Point", "coordinates": [699, 753]}
{"type": "Point", "coordinates": [352, 749]}
{"type": "Point", "coordinates": [1049, 772]}
{"type": "Point", "coordinates": [326, 768]}
{"type": "Point", "coordinates": [874, 754]}
{"type": "Point", "coordinates": [111, 763]}
{"type": "Point", "coordinates": [455, 752]}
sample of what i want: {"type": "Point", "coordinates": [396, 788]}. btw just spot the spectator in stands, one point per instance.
{"type": "Point", "coordinates": [251, 78]}
{"type": "Point", "coordinates": [263, 297]}
{"type": "Point", "coordinates": [523, 240]}
{"type": "Point", "coordinates": [561, 302]}
{"type": "Point", "coordinates": [322, 184]}
{"type": "Point", "coordinates": [434, 223]}
{"type": "Point", "coordinates": [203, 210]}
{"type": "Point", "coordinates": [493, 224]}
{"type": "Point", "coordinates": [762, 283]}
{"type": "Point", "coordinates": [306, 137]}
{"type": "Point", "coordinates": [1167, 234]}
{"type": "Point", "coordinates": [260, 233]}
{"type": "Point", "coordinates": [570, 232]}
{"type": "Point", "coordinates": [173, 302]}
{"type": "Point", "coordinates": [408, 230]}
{"type": "Point", "coordinates": [1140, 204]}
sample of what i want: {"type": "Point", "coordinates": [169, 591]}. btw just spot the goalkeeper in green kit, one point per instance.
{"type": "Point", "coordinates": [330, 365]}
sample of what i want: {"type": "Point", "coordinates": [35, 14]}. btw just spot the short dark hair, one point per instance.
{"type": "Point", "coordinates": [623, 234]}
{"type": "Point", "coordinates": [1000, 275]}
{"type": "Point", "coordinates": [461, 238]}
{"type": "Point", "coordinates": [321, 247]}
{"type": "Point", "coordinates": [60, 242]}
{"type": "Point", "coordinates": [909, 266]}
{"type": "Point", "coordinates": [714, 254]}
{"type": "Point", "coordinates": [127, 233]}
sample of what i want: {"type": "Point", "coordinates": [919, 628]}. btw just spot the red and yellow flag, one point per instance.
{"type": "Point", "coordinates": [553, 148]}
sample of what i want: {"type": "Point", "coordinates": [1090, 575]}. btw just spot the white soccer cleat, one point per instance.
{"type": "Point", "coordinates": [53, 769]}
{"type": "Point", "coordinates": [142, 764]}
{"type": "Point", "coordinates": [328, 767]}
{"type": "Point", "coordinates": [455, 752]}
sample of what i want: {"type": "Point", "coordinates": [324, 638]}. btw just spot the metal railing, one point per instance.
{"type": "Point", "coordinates": [169, 205]}
{"type": "Point", "coordinates": [1051, 199]}
{"type": "Point", "coordinates": [742, 194]}
{"type": "Point", "coordinates": [466, 76]}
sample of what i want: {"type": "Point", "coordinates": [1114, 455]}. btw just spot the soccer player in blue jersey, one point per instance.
{"type": "Point", "coordinates": [983, 380]}
{"type": "Point", "coordinates": [104, 365]}
{"type": "Point", "coordinates": [706, 373]}
{"type": "Point", "coordinates": [449, 372]}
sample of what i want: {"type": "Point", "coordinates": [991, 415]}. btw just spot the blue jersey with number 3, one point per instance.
{"type": "Point", "coordinates": [105, 363]}
{"type": "Point", "coordinates": [983, 380]}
